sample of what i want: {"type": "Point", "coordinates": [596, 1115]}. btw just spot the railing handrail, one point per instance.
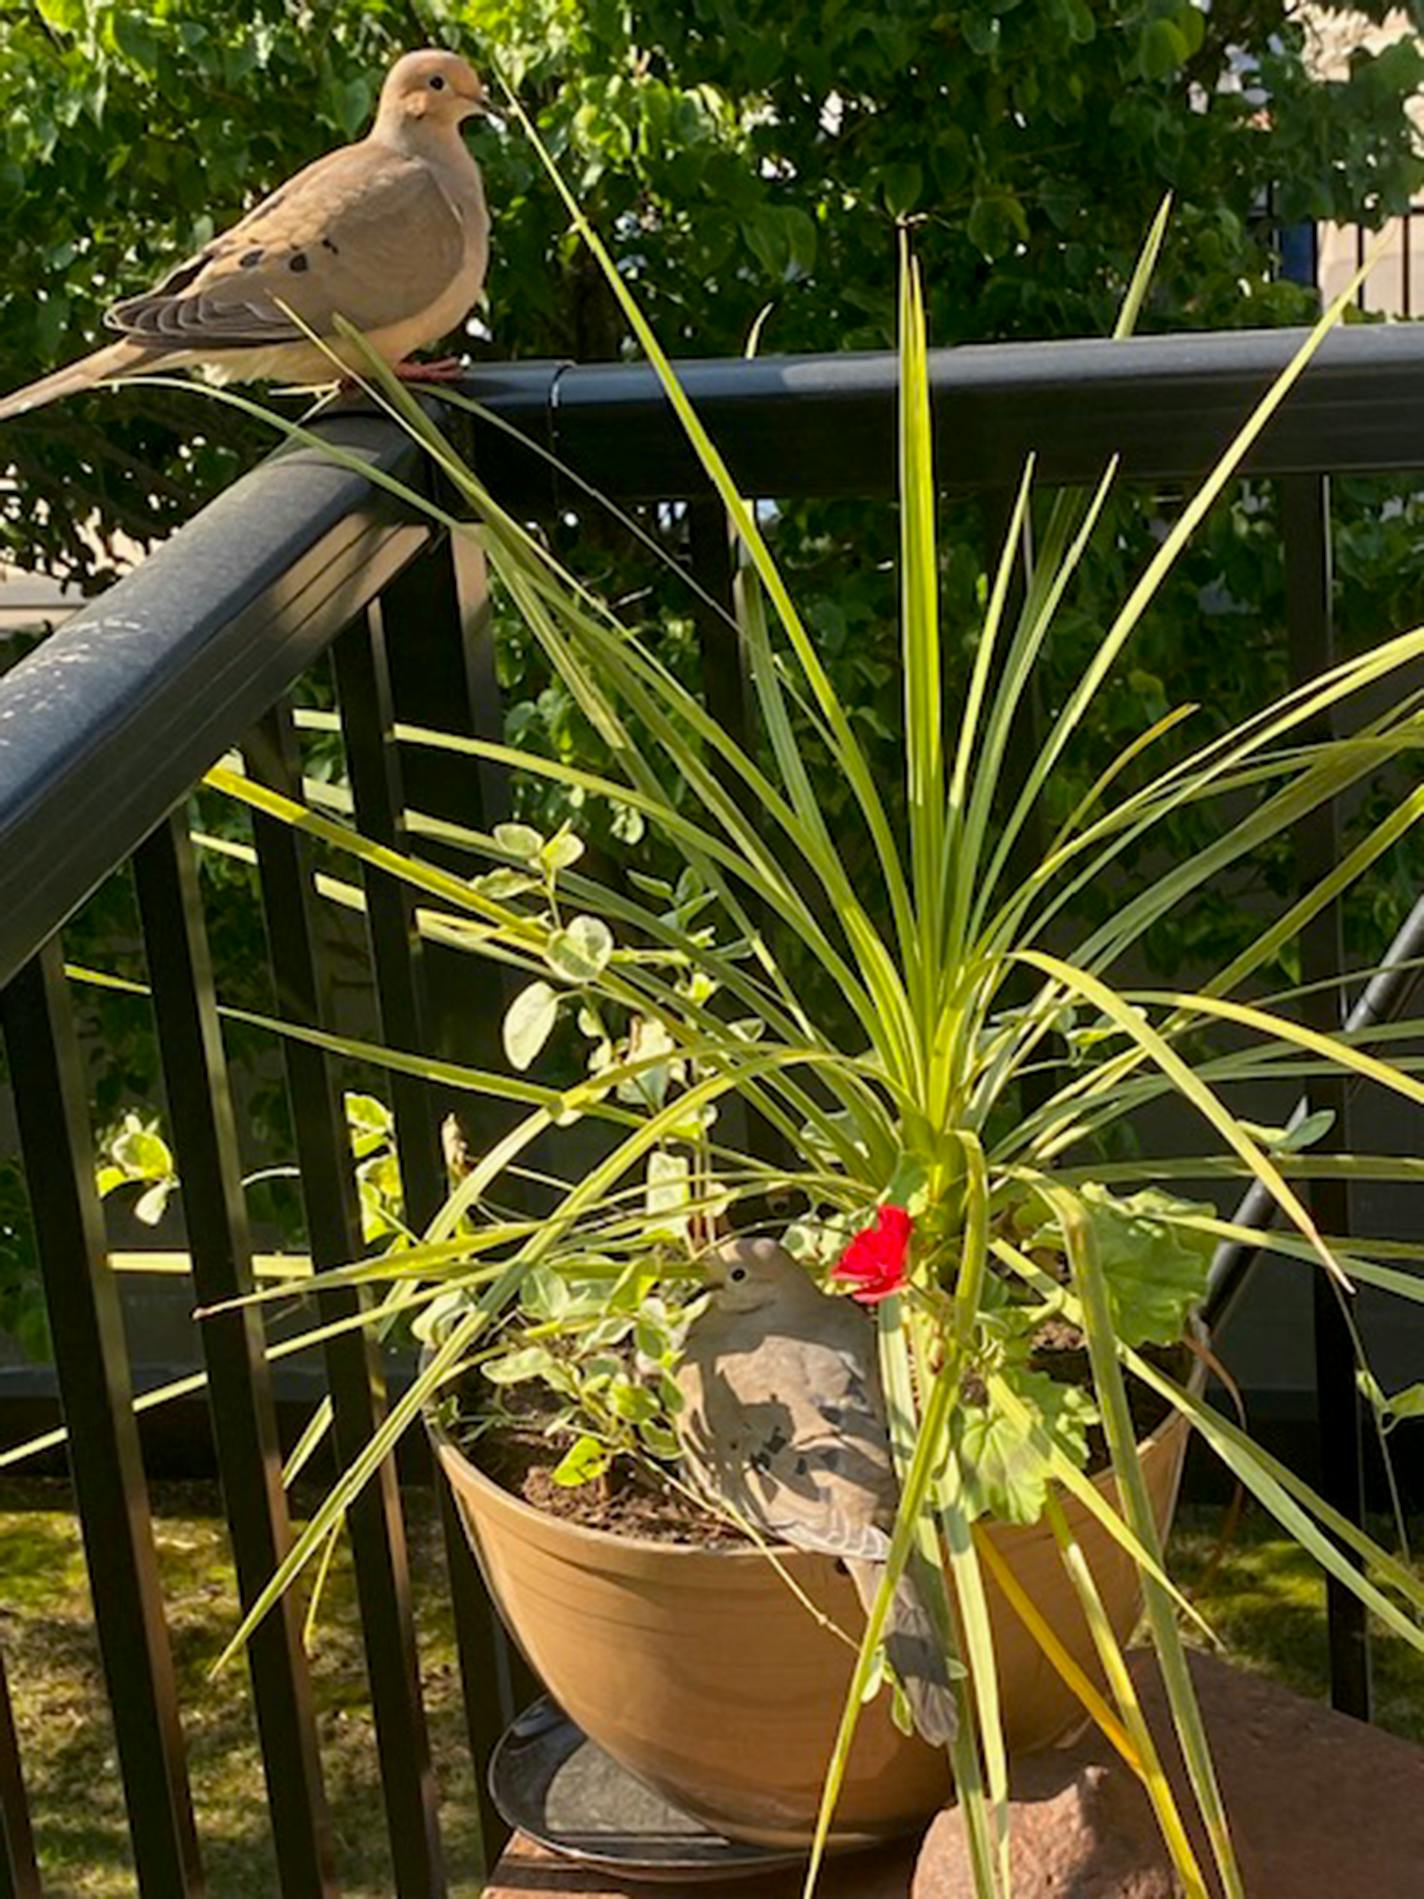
{"type": "Point", "coordinates": [107, 725]}
{"type": "Point", "coordinates": [824, 425]}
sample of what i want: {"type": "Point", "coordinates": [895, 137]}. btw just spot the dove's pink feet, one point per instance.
{"type": "Point", "coordinates": [447, 369]}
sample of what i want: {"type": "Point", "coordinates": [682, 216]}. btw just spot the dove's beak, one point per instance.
{"type": "Point", "coordinates": [475, 102]}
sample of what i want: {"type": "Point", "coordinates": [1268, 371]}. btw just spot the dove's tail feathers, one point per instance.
{"type": "Point", "coordinates": [932, 1703]}
{"type": "Point", "coordinates": [916, 1653]}
{"type": "Point", "coordinates": [118, 359]}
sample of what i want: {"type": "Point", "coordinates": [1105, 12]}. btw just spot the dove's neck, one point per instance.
{"type": "Point", "coordinates": [439, 146]}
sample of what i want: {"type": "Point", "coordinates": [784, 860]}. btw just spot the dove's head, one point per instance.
{"type": "Point", "coordinates": [749, 1274]}
{"type": "Point", "coordinates": [431, 88]}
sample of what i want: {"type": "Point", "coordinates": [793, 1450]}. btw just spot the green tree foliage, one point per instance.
{"type": "Point", "coordinates": [738, 153]}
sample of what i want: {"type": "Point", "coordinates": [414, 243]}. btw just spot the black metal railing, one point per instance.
{"type": "Point", "coordinates": [105, 729]}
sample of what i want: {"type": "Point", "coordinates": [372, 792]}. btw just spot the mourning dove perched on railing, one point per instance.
{"type": "Point", "coordinates": [783, 1421]}
{"type": "Point", "coordinates": [390, 233]}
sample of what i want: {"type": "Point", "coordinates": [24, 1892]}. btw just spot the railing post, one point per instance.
{"type": "Point", "coordinates": [373, 759]}
{"type": "Point", "coordinates": [91, 1359]}
{"type": "Point", "coordinates": [239, 1379]}
{"type": "Point", "coordinates": [354, 1368]}
{"type": "Point", "coordinates": [1305, 524]}
{"type": "Point", "coordinates": [19, 1875]}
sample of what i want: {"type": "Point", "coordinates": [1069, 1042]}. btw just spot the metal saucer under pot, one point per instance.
{"type": "Point", "coordinates": [551, 1783]}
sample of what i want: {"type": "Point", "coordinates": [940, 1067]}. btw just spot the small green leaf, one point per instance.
{"type": "Point", "coordinates": [658, 1439]}
{"type": "Point", "coordinates": [1156, 1270]}
{"type": "Point", "coordinates": [136, 40]}
{"type": "Point", "coordinates": [142, 1154]}
{"type": "Point", "coordinates": [367, 1111]}
{"type": "Point", "coordinates": [981, 34]}
{"type": "Point", "coordinates": [520, 840]}
{"type": "Point", "coordinates": [151, 1206]}
{"type": "Point", "coordinates": [669, 1176]}
{"type": "Point", "coordinates": [632, 1402]}
{"type": "Point", "coordinates": [902, 185]}
{"type": "Point", "coordinates": [545, 1294]}
{"type": "Point", "coordinates": [651, 1340]}
{"type": "Point", "coordinates": [671, 1393]}
{"type": "Point", "coordinates": [900, 1712]}
{"type": "Point", "coordinates": [581, 951]}
{"type": "Point", "coordinates": [506, 882]}
{"type": "Point", "coordinates": [650, 886]}
{"type": "Point", "coordinates": [629, 824]}
{"type": "Point", "coordinates": [1369, 1389]}
{"type": "Point", "coordinates": [67, 16]}
{"type": "Point", "coordinates": [532, 1361]}
{"type": "Point", "coordinates": [529, 1022]}
{"type": "Point", "coordinates": [997, 222]}
{"type": "Point", "coordinates": [1161, 50]}
{"type": "Point", "coordinates": [352, 103]}
{"type": "Point", "coordinates": [561, 851]}
{"type": "Point", "coordinates": [1307, 1132]}
{"type": "Point", "coordinates": [582, 1463]}
{"type": "Point", "coordinates": [1003, 1474]}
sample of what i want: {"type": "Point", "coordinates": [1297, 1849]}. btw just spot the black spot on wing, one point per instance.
{"type": "Point", "coordinates": [299, 262]}
{"type": "Point", "coordinates": [327, 245]}
{"type": "Point", "coordinates": [771, 1447]}
{"type": "Point", "coordinates": [249, 260]}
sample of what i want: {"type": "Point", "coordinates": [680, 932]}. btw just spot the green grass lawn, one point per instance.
{"type": "Point", "coordinates": [1265, 1601]}
{"type": "Point", "coordinates": [66, 1740]}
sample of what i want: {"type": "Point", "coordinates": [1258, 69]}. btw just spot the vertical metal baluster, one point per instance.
{"type": "Point", "coordinates": [1305, 526]}
{"type": "Point", "coordinates": [1025, 742]}
{"type": "Point", "coordinates": [440, 651]}
{"type": "Point", "coordinates": [368, 729]}
{"type": "Point", "coordinates": [367, 723]}
{"type": "Point", "coordinates": [19, 1875]}
{"type": "Point", "coordinates": [91, 1359]}
{"type": "Point", "coordinates": [438, 626]}
{"type": "Point", "coordinates": [354, 1369]}
{"type": "Point", "coordinates": [1406, 262]}
{"type": "Point", "coordinates": [239, 1379]}
{"type": "Point", "coordinates": [724, 670]}
{"type": "Point", "coordinates": [728, 692]}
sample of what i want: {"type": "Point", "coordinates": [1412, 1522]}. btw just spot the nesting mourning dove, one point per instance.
{"type": "Point", "coordinates": [390, 233]}
{"type": "Point", "coordinates": [783, 1420]}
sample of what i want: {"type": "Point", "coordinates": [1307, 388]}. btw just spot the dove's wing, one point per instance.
{"type": "Point", "coordinates": [783, 1419]}
{"type": "Point", "coordinates": [366, 233]}
{"type": "Point", "coordinates": [790, 1431]}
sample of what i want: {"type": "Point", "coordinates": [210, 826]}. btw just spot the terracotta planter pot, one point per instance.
{"type": "Point", "coordinates": [701, 1674]}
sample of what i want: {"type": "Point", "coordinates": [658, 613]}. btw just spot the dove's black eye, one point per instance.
{"type": "Point", "coordinates": [436, 83]}
{"type": "Point", "coordinates": [737, 1272]}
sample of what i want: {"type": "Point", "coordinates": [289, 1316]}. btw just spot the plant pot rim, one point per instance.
{"type": "Point", "coordinates": [446, 1447]}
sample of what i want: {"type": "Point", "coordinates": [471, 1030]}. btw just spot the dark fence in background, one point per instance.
{"type": "Point", "coordinates": [106, 728]}
{"type": "Point", "coordinates": [1325, 256]}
